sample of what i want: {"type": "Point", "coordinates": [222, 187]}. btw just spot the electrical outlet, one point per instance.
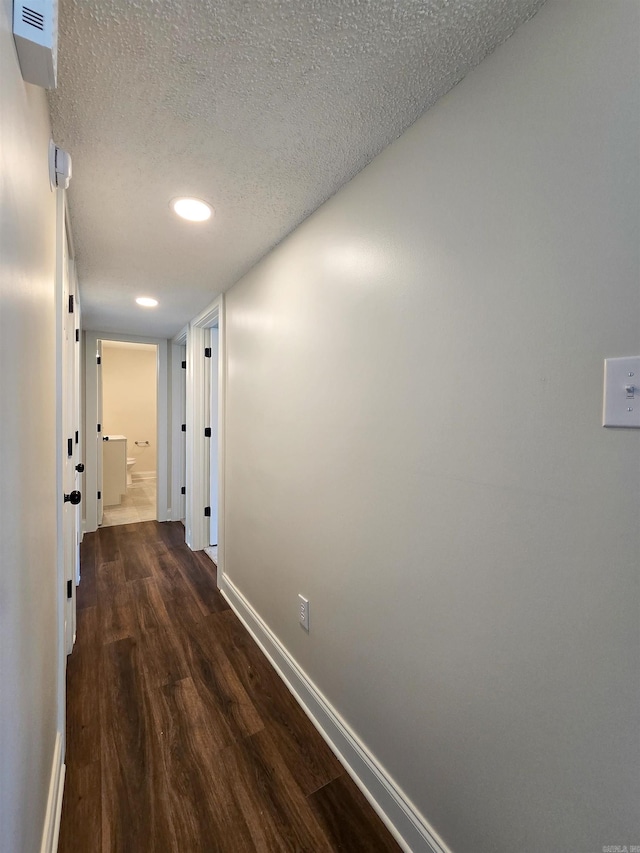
{"type": "Point", "coordinates": [303, 607]}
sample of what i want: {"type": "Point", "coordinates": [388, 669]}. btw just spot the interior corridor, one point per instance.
{"type": "Point", "coordinates": [180, 735]}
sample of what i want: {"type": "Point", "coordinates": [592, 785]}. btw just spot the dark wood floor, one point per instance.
{"type": "Point", "coordinates": [180, 735]}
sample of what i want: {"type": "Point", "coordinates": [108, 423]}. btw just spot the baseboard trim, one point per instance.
{"type": "Point", "coordinates": [143, 475]}
{"type": "Point", "coordinates": [51, 828]}
{"type": "Point", "coordinates": [406, 824]}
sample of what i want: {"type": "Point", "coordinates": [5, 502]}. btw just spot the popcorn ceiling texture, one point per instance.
{"type": "Point", "coordinates": [264, 109]}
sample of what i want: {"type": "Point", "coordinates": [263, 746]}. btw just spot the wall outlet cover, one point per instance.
{"type": "Point", "coordinates": [303, 607]}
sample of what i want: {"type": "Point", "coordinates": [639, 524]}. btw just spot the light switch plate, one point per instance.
{"type": "Point", "coordinates": [303, 605]}
{"type": "Point", "coordinates": [621, 392]}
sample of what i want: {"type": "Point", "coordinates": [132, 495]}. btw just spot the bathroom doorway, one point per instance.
{"type": "Point", "coordinates": [128, 440]}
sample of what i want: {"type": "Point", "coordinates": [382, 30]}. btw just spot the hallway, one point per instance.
{"type": "Point", "coordinates": [180, 735]}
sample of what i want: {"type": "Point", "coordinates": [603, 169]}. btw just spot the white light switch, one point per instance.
{"type": "Point", "coordinates": [621, 392]}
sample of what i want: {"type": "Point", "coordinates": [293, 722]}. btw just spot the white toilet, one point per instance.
{"type": "Point", "coordinates": [131, 461]}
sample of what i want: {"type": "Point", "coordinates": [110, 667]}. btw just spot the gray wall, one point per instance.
{"type": "Point", "coordinates": [28, 632]}
{"type": "Point", "coordinates": [414, 443]}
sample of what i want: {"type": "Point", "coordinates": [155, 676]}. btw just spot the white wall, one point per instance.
{"type": "Point", "coordinates": [129, 404]}
{"type": "Point", "coordinates": [414, 443]}
{"type": "Point", "coordinates": [28, 629]}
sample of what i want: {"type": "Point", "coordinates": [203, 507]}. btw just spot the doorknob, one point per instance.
{"type": "Point", "coordinates": [105, 438]}
{"type": "Point", "coordinates": [74, 498]}
{"type": "Point", "coordinates": [80, 468]}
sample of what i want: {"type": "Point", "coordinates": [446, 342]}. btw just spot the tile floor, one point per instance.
{"type": "Point", "coordinates": [212, 553]}
{"type": "Point", "coordinates": [139, 504]}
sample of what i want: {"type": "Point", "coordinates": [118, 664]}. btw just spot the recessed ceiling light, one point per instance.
{"type": "Point", "coordinates": [147, 301]}
{"type": "Point", "coordinates": [192, 209]}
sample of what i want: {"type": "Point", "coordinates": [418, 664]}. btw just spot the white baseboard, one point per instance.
{"type": "Point", "coordinates": [406, 824]}
{"type": "Point", "coordinates": [54, 801]}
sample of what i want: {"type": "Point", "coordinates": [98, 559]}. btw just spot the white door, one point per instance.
{"type": "Point", "coordinates": [69, 449]}
{"type": "Point", "coordinates": [78, 437]}
{"type": "Point", "coordinates": [183, 435]}
{"type": "Point", "coordinates": [99, 431]}
{"type": "Point", "coordinates": [213, 445]}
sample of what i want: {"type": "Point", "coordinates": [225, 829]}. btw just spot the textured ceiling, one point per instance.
{"type": "Point", "coordinates": [262, 107]}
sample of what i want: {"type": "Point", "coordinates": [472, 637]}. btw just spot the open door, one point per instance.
{"type": "Point", "coordinates": [70, 439]}
{"type": "Point", "coordinates": [182, 437]}
{"type": "Point", "coordinates": [213, 444]}
{"type": "Point", "coordinates": [99, 432]}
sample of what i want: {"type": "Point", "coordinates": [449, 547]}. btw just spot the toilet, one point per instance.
{"type": "Point", "coordinates": [131, 461]}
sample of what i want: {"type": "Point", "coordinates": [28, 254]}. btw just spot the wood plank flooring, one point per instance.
{"type": "Point", "coordinates": [181, 738]}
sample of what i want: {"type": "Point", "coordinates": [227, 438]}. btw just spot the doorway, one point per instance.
{"type": "Point", "coordinates": [128, 379]}
{"type": "Point", "coordinates": [157, 451]}
{"type": "Point", "coordinates": [205, 399]}
{"type": "Point", "coordinates": [212, 447]}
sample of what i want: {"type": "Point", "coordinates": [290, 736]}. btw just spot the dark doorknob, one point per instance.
{"type": "Point", "coordinates": [80, 468]}
{"type": "Point", "coordinates": [105, 438]}
{"type": "Point", "coordinates": [74, 498]}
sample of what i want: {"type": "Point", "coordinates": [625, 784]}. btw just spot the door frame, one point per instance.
{"type": "Point", "coordinates": [198, 476]}
{"type": "Point", "coordinates": [178, 417]}
{"type": "Point", "coordinates": [91, 408]}
{"type": "Point", "coordinates": [67, 408]}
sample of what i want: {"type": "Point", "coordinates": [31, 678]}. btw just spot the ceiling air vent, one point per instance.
{"type": "Point", "coordinates": [35, 32]}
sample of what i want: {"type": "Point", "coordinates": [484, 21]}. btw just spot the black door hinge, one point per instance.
{"type": "Point", "coordinates": [184, 427]}
{"type": "Point", "coordinates": [207, 432]}
{"type": "Point", "coordinates": [69, 589]}
{"type": "Point", "coordinates": [69, 447]}
{"type": "Point", "coordinates": [77, 335]}
{"type": "Point", "coordinates": [183, 490]}
{"type": "Point", "coordinates": [98, 360]}
{"type": "Point", "coordinates": [99, 427]}
{"type": "Point", "coordinates": [207, 511]}
{"type": "Point", "coordinates": [71, 303]}
{"type": "Point", "coordinates": [77, 436]}
{"type": "Point", "coordinates": [207, 352]}
{"type": "Point", "coordinates": [99, 496]}
{"type": "Point", "coordinates": [184, 365]}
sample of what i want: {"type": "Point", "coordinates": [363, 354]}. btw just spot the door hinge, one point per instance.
{"type": "Point", "coordinates": [77, 436]}
{"type": "Point", "coordinates": [69, 447]}
{"type": "Point", "coordinates": [183, 490]}
{"type": "Point", "coordinates": [69, 589]}
{"type": "Point", "coordinates": [99, 427]}
{"type": "Point", "coordinates": [98, 360]}
{"type": "Point", "coordinates": [207, 352]}
{"type": "Point", "coordinates": [71, 303]}
{"type": "Point", "coordinates": [207, 432]}
{"type": "Point", "coordinates": [77, 335]}
{"type": "Point", "coordinates": [184, 427]}
{"type": "Point", "coordinates": [207, 511]}
{"type": "Point", "coordinates": [184, 365]}
{"type": "Point", "coordinates": [99, 496]}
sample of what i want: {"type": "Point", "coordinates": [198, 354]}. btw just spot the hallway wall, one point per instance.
{"type": "Point", "coordinates": [414, 443]}
{"type": "Point", "coordinates": [28, 630]}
